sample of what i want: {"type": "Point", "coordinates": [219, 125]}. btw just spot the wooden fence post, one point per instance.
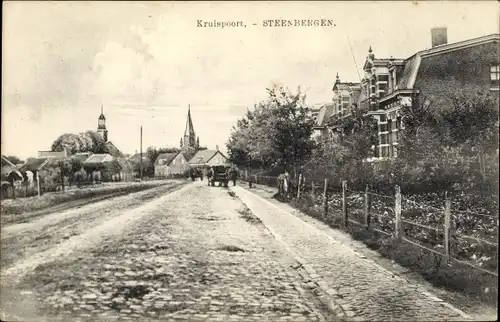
{"type": "Point", "coordinates": [312, 190]}
{"type": "Point", "coordinates": [368, 204]}
{"type": "Point", "coordinates": [344, 203]}
{"type": "Point", "coordinates": [325, 199]}
{"type": "Point", "coordinates": [397, 213]}
{"type": "Point", "coordinates": [447, 226]}
{"type": "Point", "coordinates": [38, 182]}
{"type": "Point", "coordinates": [298, 186]}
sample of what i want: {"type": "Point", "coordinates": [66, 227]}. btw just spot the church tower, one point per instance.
{"type": "Point", "coordinates": [189, 141]}
{"type": "Point", "coordinates": [101, 126]}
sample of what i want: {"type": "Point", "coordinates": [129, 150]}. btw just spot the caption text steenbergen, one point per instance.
{"type": "Point", "coordinates": [267, 23]}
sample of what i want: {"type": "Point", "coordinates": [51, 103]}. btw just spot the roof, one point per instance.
{"type": "Point", "coordinates": [138, 156]}
{"type": "Point", "coordinates": [8, 168]}
{"type": "Point", "coordinates": [324, 114]}
{"type": "Point", "coordinates": [34, 164]}
{"type": "Point", "coordinates": [167, 157]}
{"type": "Point", "coordinates": [203, 156]}
{"type": "Point", "coordinates": [99, 158]}
{"type": "Point", "coordinates": [82, 156]}
{"type": "Point", "coordinates": [188, 155]}
{"type": "Point", "coordinates": [113, 150]}
{"type": "Point", "coordinates": [52, 154]}
{"type": "Point", "coordinates": [412, 64]}
{"type": "Point", "coordinates": [6, 162]}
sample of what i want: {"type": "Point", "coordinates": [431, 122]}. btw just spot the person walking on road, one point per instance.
{"type": "Point", "coordinates": [234, 176]}
{"type": "Point", "coordinates": [210, 174]}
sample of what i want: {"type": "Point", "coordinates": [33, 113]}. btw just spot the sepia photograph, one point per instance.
{"type": "Point", "coordinates": [250, 161]}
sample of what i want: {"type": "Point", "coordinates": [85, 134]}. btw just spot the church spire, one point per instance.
{"type": "Point", "coordinates": [189, 134]}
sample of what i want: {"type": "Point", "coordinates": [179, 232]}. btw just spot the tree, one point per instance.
{"type": "Point", "coordinates": [76, 166]}
{"type": "Point", "coordinates": [114, 167]}
{"type": "Point", "coordinates": [89, 141]}
{"type": "Point", "coordinates": [471, 124]}
{"type": "Point", "coordinates": [65, 168]}
{"type": "Point", "coordinates": [277, 133]}
{"type": "Point", "coordinates": [343, 156]}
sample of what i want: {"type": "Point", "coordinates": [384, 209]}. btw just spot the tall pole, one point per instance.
{"type": "Point", "coordinates": [141, 152]}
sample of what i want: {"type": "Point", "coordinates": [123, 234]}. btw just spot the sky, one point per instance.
{"type": "Point", "coordinates": [146, 62]}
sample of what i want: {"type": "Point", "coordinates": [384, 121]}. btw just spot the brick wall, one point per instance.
{"type": "Point", "coordinates": [441, 75]}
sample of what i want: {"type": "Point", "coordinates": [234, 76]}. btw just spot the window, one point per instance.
{"type": "Point", "coordinates": [495, 76]}
{"type": "Point", "coordinates": [384, 138]}
{"type": "Point", "coordinates": [384, 151]}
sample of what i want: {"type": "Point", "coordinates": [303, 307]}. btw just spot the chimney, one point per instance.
{"type": "Point", "coordinates": [217, 147]}
{"type": "Point", "coordinates": [439, 36]}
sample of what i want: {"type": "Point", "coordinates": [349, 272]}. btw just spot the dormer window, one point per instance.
{"type": "Point", "coordinates": [495, 76]}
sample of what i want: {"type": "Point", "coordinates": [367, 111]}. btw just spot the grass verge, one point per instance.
{"type": "Point", "coordinates": [10, 208]}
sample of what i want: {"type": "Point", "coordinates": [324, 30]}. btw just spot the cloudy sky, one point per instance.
{"type": "Point", "coordinates": [145, 62]}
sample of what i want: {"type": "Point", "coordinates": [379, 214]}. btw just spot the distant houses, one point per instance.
{"type": "Point", "coordinates": [170, 164]}
{"type": "Point", "coordinates": [205, 158]}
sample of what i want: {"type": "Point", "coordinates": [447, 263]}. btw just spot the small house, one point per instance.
{"type": "Point", "coordinates": [168, 164]}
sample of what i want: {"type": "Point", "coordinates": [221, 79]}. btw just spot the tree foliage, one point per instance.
{"type": "Point", "coordinates": [342, 156]}
{"type": "Point", "coordinates": [276, 133]}
{"type": "Point", "coordinates": [88, 141]}
{"type": "Point", "coordinates": [450, 148]}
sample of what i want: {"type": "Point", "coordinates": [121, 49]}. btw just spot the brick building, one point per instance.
{"type": "Point", "coordinates": [345, 96]}
{"type": "Point", "coordinates": [436, 74]}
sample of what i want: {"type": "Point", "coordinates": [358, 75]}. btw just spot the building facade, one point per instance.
{"type": "Point", "coordinates": [168, 164]}
{"type": "Point", "coordinates": [205, 158]}
{"type": "Point", "coordinates": [434, 74]}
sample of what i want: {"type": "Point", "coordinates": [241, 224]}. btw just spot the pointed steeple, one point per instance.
{"type": "Point", "coordinates": [189, 134]}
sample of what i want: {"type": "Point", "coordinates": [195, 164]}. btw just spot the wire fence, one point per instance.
{"type": "Point", "coordinates": [403, 219]}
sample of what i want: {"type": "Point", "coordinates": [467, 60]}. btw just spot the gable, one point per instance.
{"type": "Point", "coordinates": [202, 156]}
{"type": "Point", "coordinates": [113, 150]}
{"type": "Point", "coordinates": [217, 158]}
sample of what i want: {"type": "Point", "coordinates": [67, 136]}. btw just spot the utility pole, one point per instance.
{"type": "Point", "coordinates": [141, 153]}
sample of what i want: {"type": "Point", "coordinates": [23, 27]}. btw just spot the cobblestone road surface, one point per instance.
{"type": "Point", "coordinates": [360, 288]}
{"type": "Point", "coordinates": [194, 254]}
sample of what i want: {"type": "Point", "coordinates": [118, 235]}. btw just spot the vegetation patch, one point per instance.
{"type": "Point", "coordinates": [231, 248]}
{"type": "Point", "coordinates": [249, 216]}
{"type": "Point", "coordinates": [472, 283]}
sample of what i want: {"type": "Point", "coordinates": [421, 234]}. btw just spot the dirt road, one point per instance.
{"type": "Point", "coordinates": [193, 253]}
